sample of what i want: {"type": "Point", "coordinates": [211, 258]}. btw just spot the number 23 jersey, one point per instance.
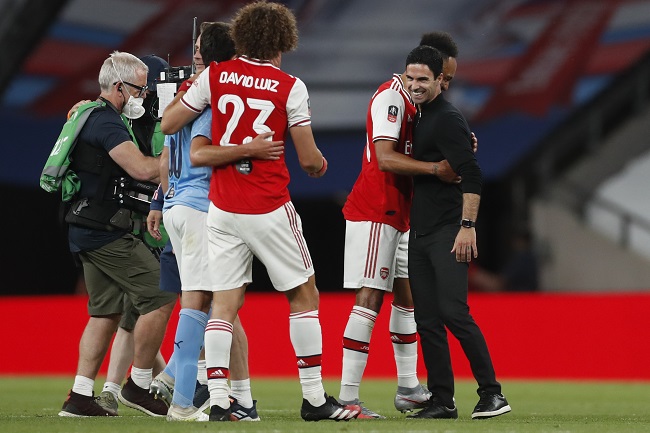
{"type": "Point", "coordinates": [249, 97]}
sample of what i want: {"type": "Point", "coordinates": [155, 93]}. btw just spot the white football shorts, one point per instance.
{"type": "Point", "coordinates": [375, 254]}
{"type": "Point", "coordinates": [275, 238]}
{"type": "Point", "coordinates": [187, 231]}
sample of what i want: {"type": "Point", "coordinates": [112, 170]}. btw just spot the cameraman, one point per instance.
{"type": "Point", "coordinates": [114, 261]}
{"type": "Point", "coordinates": [150, 141]}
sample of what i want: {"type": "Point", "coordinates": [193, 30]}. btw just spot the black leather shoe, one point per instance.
{"type": "Point", "coordinates": [436, 410]}
{"type": "Point", "coordinates": [490, 405]}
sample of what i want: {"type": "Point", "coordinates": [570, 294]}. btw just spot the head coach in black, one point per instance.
{"type": "Point", "coordinates": [442, 243]}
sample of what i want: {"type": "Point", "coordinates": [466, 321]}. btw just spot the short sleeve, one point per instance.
{"type": "Point", "coordinates": [199, 94]}
{"type": "Point", "coordinates": [298, 109]}
{"type": "Point", "coordinates": [113, 131]}
{"type": "Point", "coordinates": [387, 111]}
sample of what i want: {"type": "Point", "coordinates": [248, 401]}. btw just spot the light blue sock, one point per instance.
{"type": "Point", "coordinates": [170, 368]}
{"type": "Point", "coordinates": [187, 347]}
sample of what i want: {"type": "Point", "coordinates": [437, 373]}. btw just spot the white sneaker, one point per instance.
{"type": "Point", "coordinates": [162, 387]}
{"type": "Point", "coordinates": [408, 399]}
{"type": "Point", "coordinates": [178, 413]}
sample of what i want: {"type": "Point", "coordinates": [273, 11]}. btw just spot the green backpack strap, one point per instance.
{"type": "Point", "coordinates": [128, 126]}
{"type": "Point", "coordinates": [56, 173]}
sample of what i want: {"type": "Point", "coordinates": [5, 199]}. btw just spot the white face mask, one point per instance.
{"type": "Point", "coordinates": [133, 108]}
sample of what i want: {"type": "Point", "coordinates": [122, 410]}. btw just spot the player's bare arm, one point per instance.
{"type": "Point", "coordinates": [139, 167]}
{"type": "Point", "coordinates": [76, 106]}
{"type": "Point", "coordinates": [445, 173]}
{"type": "Point", "coordinates": [179, 115]}
{"type": "Point", "coordinates": [203, 153]}
{"type": "Point", "coordinates": [391, 160]}
{"type": "Point", "coordinates": [176, 116]}
{"type": "Point", "coordinates": [154, 219]}
{"type": "Point", "coordinates": [309, 156]}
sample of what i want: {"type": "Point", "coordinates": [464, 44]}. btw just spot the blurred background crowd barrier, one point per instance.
{"type": "Point", "coordinates": [557, 92]}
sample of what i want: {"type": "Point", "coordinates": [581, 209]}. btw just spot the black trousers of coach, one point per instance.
{"type": "Point", "coordinates": [439, 288]}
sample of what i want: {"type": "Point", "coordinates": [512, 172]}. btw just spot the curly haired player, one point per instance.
{"type": "Point", "coordinates": [251, 211]}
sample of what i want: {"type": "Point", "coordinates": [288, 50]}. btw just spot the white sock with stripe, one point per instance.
{"type": "Point", "coordinates": [307, 341]}
{"type": "Point", "coordinates": [218, 339]}
{"type": "Point", "coordinates": [356, 344]}
{"type": "Point", "coordinates": [403, 334]}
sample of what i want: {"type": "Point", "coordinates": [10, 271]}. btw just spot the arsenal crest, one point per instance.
{"type": "Point", "coordinates": [383, 273]}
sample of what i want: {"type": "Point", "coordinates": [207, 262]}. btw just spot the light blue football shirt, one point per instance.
{"type": "Point", "coordinates": [188, 185]}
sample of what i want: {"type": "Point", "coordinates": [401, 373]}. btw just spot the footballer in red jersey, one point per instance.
{"type": "Point", "coordinates": [376, 244]}
{"type": "Point", "coordinates": [251, 211]}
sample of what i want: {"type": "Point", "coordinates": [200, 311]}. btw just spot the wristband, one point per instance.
{"type": "Point", "coordinates": [158, 199]}
{"type": "Point", "coordinates": [323, 168]}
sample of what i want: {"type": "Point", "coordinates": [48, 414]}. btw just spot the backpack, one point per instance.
{"type": "Point", "coordinates": [56, 174]}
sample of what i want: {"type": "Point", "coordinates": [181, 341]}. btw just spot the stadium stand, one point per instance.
{"type": "Point", "coordinates": [530, 73]}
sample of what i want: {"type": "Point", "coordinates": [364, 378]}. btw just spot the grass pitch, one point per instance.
{"type": "Point", "coordinates": [31, 404]}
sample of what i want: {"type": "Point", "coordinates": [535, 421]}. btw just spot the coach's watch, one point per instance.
{"type": "Point", "coordinates": [467, 223]}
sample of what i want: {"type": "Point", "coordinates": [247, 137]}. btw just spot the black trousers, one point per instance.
{"type": "Point", "coordinates": [439, 288]}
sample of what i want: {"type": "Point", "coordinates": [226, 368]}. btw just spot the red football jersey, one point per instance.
{"type": "Point", "coordinates": [250, 97]}
{"type": "Point", "coordinates": [380, 196]}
